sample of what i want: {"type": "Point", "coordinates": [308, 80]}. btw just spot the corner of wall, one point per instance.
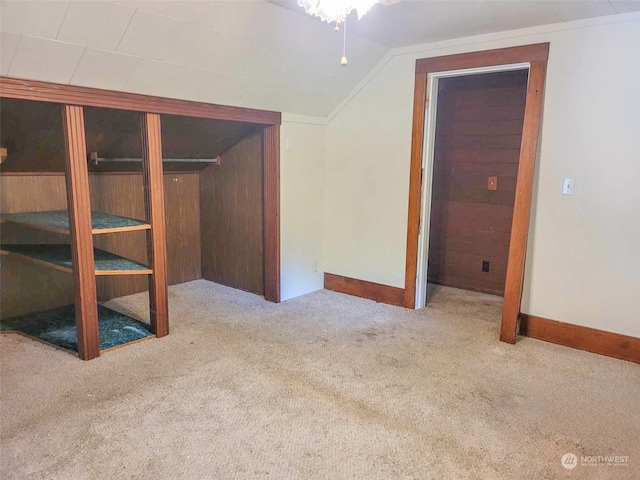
{"type": "Point", "coordinates": [302, 157]}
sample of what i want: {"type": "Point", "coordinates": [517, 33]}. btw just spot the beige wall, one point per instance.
{"type": "Point", "coordinates": [302, 204]}
{"type": "Point", "coordinates": [583, 264]}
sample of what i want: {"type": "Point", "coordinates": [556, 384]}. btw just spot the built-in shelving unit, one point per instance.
{"type": "Point", "coordinates": [52, 178]}
{"type": "Point", "coordinates": [86, 326]}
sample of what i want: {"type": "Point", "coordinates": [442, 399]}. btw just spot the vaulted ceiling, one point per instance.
{"type": "Point", "coordinates": [254, 53]}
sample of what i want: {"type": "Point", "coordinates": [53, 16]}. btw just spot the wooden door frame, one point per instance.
{"type": "Point", "coordinates": [269, 121]}
{"type": "Point", "coordinates": [536, 56]}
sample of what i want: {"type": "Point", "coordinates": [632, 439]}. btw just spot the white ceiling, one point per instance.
{"type": "Point", "coordinates": [246, 52]}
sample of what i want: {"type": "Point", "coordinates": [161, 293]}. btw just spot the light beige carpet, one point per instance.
{"type": "Point", "coordinates": [325, 386]}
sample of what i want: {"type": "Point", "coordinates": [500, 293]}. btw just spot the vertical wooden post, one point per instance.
{"type": "Point", "coordinates": [522, 203]}
{"type": "Point", "coordinates": [154, 209]}
{"type": "Point", "coordinates": [415, 189]}
{"type": "Point", "coordinates": [79, 206]}
{"type": "Point", "coordinates": [271, 169]}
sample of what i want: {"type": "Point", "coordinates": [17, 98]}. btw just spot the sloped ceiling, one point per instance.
{"type": "Point", "coordinates": [247, 53]}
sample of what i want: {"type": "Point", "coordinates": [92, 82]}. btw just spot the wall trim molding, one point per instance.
{"type": "Point", "coordinates": [589, 339]}
{"type": "Point", "coordinates": [96, 97]}
{"type": "Point", "coordinates": [362, 288]}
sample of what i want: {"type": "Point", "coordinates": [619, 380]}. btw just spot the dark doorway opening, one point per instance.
{"type": "Point", "coordinates": [479, 126]}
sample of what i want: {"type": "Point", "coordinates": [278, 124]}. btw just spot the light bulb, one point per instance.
{"type": "Point", "coordinates": [343, 62]}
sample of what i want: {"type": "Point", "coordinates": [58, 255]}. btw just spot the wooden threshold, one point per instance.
{"type": "Point", "coordinates": [361, 288]}
{"type": "Point", "coordinates": [589, 339]}
{"type": "Point", "coordinates": [117, 347]}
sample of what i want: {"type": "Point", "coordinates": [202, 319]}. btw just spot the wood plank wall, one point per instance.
{"type": "Point", "coordinates": [478, 134]}
{"type": "Point", "coordinates": [32, 134]}
{"type": "Point", "coordinates": [231, 212]}
{"type": "Point", "coordinates": [27, 287]}
{"type": "Point", "coordinates": [124, 195]}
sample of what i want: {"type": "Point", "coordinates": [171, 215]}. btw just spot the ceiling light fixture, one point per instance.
{"type": "Point", "coordinates": [336, 11]}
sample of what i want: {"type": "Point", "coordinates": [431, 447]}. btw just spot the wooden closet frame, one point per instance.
{"type": "Point", "coordinates": [73, 99]}
{"type": "Point", "coordinates": [536, 55]}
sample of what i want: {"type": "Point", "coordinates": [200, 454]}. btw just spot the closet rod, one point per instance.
{"type": "Point", "coordinates": [95, 160]}
{"type": "Point", "coordinates": [191, 160]}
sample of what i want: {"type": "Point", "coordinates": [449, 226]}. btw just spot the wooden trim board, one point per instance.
{"type": "Point", "coordinates": [154, 210]}
{"type": "Point", "coordinates": [583, 338]}
{"type": "Point", "coordinates": [538, 52]}
{"type": "Point", "coordinates": [415, 189]}
{"type": "Point", "coordinates": [271, 172]}
{"type": "Point", "coordinates": [522, 204]}
{"type": "Point", "coordinates": [94, 97]}
{"type": "Point", "coordinates": [361, 288]}
{"type": "Point", "coordinates": [77, 179]}
{"type": "Point", "coordinates": [536, 55]}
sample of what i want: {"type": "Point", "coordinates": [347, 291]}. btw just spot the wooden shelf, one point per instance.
{"type": "Point", "coordinates": [58, 328]}
{"type": "Point", "coordinates": [59, 257]}
{"type": "Point", "coordinates": [58, 222]}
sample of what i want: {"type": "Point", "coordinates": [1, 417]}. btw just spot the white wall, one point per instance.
{"type": "Point", "coordinates": [301, 205]}
{"type": "Point", "coordinates": [583, 264]}
{"type": "Point", "coordinates": [367, 179]}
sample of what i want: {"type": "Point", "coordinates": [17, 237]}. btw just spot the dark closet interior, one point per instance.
{"type": "Point", "coordinates": [213, 199]}
{"type": "Point", "coordinates": [478, 135]}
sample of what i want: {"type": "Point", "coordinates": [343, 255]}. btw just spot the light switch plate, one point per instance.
{"type": "Point", "coordinates": [567, 186]}
{"type": "Point", "coordinates": [287, 145]}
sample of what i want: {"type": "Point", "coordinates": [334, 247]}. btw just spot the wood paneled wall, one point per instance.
{"type": "Point", "coordinates": [124, 195]}
{"type": "Point", "coordinates": [478, 135]}
{"type": "Point", "coordinates": [26, 287]}
{"type": "Point", "coordinates": [231, 212]}
{"type": "Point", "coordinates": [32, 134]}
